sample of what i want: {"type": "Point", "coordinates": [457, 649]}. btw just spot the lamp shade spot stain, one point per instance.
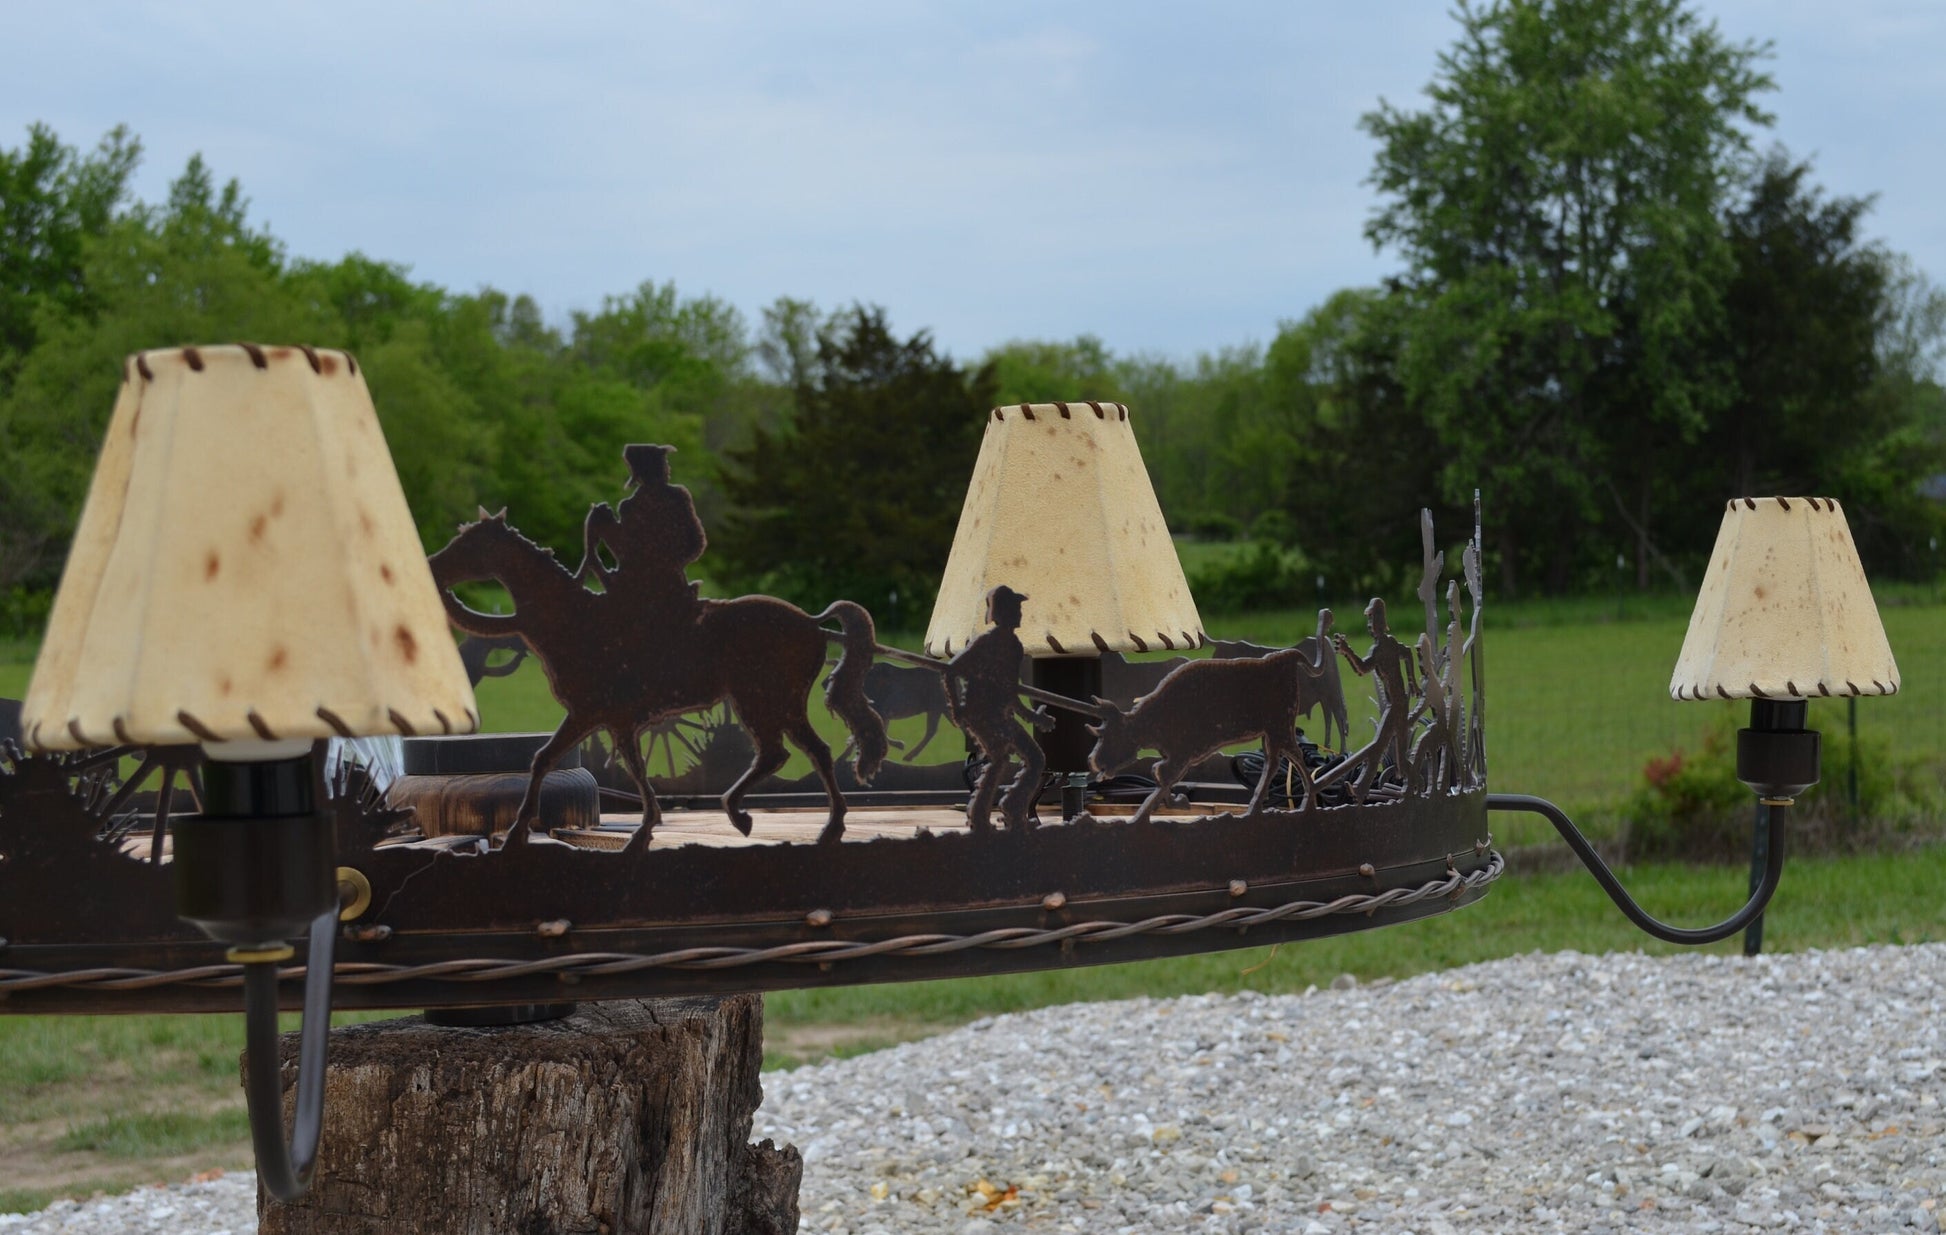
{"type": "Point", "coordinates": [408, 646]}
{"type": "Point", "coordinates": [327, 363]}
{"type": "Point", "coordinates": [211, 565]}
{"type": "Point", "coordinates": [279, 657]}
{"type": "Point", "coordinates": [257, 526]}
{"type": "Point", "coordinates": [385, 571]}
{"type": "Point", "coordinates": [277, 504]}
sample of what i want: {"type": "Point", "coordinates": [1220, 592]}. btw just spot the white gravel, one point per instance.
{"type": "Point", "coordinates": [1537, 1093]}
{"type": "Point", "coordinates": [223, 1206]}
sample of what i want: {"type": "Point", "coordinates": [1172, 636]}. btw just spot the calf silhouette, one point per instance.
{"type": "Point", "coordinates": [896, 692]}
{"type": "Point", "coordinates": [1205, 705]}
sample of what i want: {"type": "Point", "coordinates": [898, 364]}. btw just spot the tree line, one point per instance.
{"type": "Point", "coordinates": [1612, 312]}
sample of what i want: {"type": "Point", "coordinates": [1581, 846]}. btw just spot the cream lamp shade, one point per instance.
{"type": "Point", "coordinates": [245, 569]}
{"type": "Point", "coordinates": [1784, 611]}
{"type": "Point", "coordinates": [1060, 509]}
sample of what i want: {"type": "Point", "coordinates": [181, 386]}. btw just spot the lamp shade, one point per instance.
{"type": "Point", "coordinates": [1060, 509]}
{"type": "Point", "coordinates": [245, 568]}
{"type": "Point", "coordinates": [1784, 611]}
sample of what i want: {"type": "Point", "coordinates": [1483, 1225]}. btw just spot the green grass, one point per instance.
{"type": "Point", "coordinates": [156, 1134]}
{"type": "Point", "coordinates": [1823, 903]}
{"type": "Point", "coordinates": [30, 1200]}
{"type": "Point", "coordinates": [1577, 691]}
{"type": "Point", "coordinates": [1577, 698]}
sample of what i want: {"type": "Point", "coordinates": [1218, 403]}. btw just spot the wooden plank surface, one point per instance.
{"type": "Point", "coordinates": [801, 825]}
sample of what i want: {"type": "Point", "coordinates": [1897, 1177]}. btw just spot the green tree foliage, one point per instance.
{"type": "Point", "coordinates": [1558, 208]}
{"type": "Point", "coordinates": [1820, 403]}
{"type": "Point", "coordinates": [857, 496]}
{"type": "Point", "coordinates": [1359, 465]}
{"type": "Point", "coordinates": [480, 399]}
{"type": "Point", "coordinates": [1030, 371]}
{"type": "Point", "coordinates": [1612, 317]}
{"type": "Point", "coordinates": [52, 200]}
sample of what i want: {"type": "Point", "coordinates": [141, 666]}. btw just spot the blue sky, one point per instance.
{"type": "Point", "coordinates": [1173, 178]}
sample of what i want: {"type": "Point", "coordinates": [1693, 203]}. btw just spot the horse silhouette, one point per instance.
{"type": "Point", "coordinates": [614, 673]}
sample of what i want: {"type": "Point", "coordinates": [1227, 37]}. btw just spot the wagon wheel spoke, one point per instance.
{"type": "Point", "coordinates": [114, 830]}
{"type": "Point", "coordinates": [163, 797]}
{"type": "Point", "coordinates": [90, 760]}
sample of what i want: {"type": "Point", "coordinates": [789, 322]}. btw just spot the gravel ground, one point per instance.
{"type": "Point", "coordinates": [1538, 1093]}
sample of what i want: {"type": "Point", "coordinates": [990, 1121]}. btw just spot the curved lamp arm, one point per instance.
{"type": "Point", "coordinates": [1753, 908]}
{"type": "Point", "coordinates": [285, 1169]}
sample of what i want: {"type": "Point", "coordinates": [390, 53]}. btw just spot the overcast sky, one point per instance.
{"type": "Point", "coordinates": [1170, 177]}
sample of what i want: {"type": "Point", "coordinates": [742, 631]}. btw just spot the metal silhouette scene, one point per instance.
{"type": "Point", "coordinates": [693, 856]}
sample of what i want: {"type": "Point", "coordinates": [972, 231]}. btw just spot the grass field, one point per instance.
{"type": "Point", "coordinates": [1577, 701]}
{"type": "Point", "coordinates": [1577, 695]}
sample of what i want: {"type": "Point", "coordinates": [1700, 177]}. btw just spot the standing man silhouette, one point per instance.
{"type": "Point", "coordinates": [1391, 664]}
{"type": "Point", "coordinates": [982, 698]}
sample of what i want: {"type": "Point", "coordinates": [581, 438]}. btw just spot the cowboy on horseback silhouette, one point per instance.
{"type": "Point", "coordinates": [653, 535]}
{"type": "Point", "coordinates": [614, 673]}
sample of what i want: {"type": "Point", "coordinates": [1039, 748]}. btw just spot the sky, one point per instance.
{"type": "Point", "coordinates": [1172, 178]}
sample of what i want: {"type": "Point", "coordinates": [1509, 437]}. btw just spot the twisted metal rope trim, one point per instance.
{"type": "Point", "coordinates": [813, 951]}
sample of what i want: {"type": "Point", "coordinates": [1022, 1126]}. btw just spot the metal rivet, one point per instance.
{"type": "Point", "coordinates": [1238, 887]}
{"type": "Point", "coordinates": [818, 917]}
{"type": "Point", "coordinates": [1053, 901]}
{"type": "Point", "coordinates": [554, 928]}
{"type": "Point", "coordinates": [1368, 870]}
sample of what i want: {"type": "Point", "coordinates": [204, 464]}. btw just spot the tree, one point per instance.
{"type": "Point", "coordinates": [1034, 371]}
{"type": "Point", "coordinates": [191, 271]}
{"type": "Point", "coordinates": [52, 200]}
{"type": "Point", "coordinates": [1358, 464]}
{"type": "Point", "coordinates": [1558, 206]}
{"type": "Point", "coordinates": [857, 496]}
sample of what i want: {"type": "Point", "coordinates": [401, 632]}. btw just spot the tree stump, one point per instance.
{"type": "Point", "coordinates": [621, 1118]}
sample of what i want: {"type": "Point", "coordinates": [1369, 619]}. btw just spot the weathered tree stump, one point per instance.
{"type": "Point", "coordinates": [621, 1118]}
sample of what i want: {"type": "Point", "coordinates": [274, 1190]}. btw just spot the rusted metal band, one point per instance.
{"type": "Point", "coordinates": [810, 951]}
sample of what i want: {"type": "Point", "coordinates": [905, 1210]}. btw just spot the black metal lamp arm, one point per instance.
{"type": "Point", "coordinates": [1752, 909]}
{"type": "Point", "coordinates": [285, 1169]}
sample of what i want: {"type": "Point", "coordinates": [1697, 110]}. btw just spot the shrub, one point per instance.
{"type": "Point", "coordinates": [1263, 576]}
{"type": "Point", "coordinates": [1275, 526]}
{"type": "Point", "coordinates": [1691, 807]}
{"type": "Point", "coordinates": [23, 612]}
{"type": "Point", "coordinates": [1213, 525]}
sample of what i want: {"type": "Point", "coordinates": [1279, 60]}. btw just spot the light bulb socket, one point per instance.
{"type": "Point", "coordinates": [260, 864]}
{"type": "Point", "coordinates": [1777, 757]}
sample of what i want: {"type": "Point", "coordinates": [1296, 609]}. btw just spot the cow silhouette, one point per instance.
{"type": "Point", "coordinates": [1204, 705]}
